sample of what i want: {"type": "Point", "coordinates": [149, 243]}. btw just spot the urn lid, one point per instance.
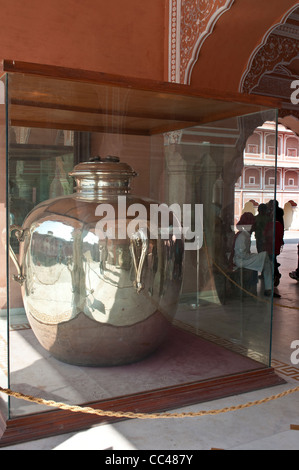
{"type": "Point", "coordinates": [102, 166]}
{"type": "Point", "coordinates": [103, 174]}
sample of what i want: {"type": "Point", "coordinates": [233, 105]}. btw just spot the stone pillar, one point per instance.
{"type": "Point", "coordinates": [191, 175]}
{"type": "Point", "coordinates": [176, 184]}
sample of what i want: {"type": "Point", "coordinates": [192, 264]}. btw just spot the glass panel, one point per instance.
{"type": "Point", "coordinates": [40, 160]}
{"type": "Point", "coordinates": [4, 379]}
{"type": "Point", "coordinates": [211, 165]}
{"type": "Point", "coordinates": [76, 282]}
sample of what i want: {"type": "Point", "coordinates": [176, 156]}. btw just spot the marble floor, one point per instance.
{"type": "Point", "coordinates": [261, 427]}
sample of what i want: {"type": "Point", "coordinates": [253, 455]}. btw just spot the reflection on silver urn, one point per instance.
{"type": "Point", "coordinates": [94, 297]}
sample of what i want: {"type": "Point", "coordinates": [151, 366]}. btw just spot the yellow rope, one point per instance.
{"type": "Point", "coordinates": [128, 414]}
{"type": "Point", "coordinates": [260, 299]}
{"type": "Point", "coordinates": [132, 415]}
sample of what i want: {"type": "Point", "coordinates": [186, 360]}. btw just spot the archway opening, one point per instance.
{"type": "Point", "coordinates": [250, 206]}
{"type": "Point", "coordinates": [260, 174]}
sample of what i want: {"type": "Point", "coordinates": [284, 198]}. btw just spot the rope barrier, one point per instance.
{"type": "Point", "coordinates": [260, 299]}
{"type": "Point", "coordinates": [132, 415]}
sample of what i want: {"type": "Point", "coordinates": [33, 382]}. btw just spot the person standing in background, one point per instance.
{"type": "Point", "coordinates": [274, 249]}
{"type": "Point", "coordinates": [261, 220]}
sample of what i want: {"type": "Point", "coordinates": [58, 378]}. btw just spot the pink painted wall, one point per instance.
{"type": "Point", "coordinates": [113, 36]}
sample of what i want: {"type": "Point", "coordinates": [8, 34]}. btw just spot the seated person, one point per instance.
{"type": "Point", "coordinates": [243, 258]}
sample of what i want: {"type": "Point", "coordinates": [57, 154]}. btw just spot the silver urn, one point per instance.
{"type": "Point", "coordinates": [96, 293]}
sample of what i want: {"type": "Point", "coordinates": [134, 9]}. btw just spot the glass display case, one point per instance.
{"type": "Point", "coordinates": [149, 319]}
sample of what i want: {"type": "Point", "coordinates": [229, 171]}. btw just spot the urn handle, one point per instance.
{"type": "Point", "coordinates": [138, 239]}
{"type": "Point", "coordinates": [20, 235]}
